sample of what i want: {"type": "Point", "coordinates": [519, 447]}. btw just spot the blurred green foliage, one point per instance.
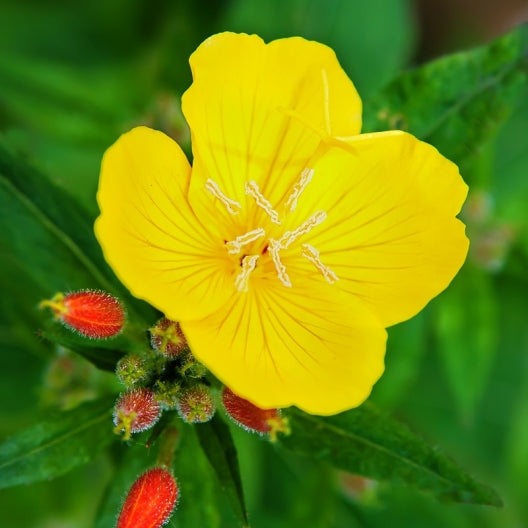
{"type": "Point", "coordinates": [73, 76]}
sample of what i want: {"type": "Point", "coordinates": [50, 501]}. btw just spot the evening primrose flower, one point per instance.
{"type": "Point", "coordinates": [294, 240]}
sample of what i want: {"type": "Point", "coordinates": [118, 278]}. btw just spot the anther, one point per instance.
{"type": "Point", "coordinates": [232, 206]}
{"type": "Point", "coordinates": [235, 246]}
{"type": "Point", "coordinates": [298, 188]}
{"type": "Point", "coordinates": [253, 190]}
{"type": "Point", "coordinates": [312, 255]}
{"type": "Point", "coordinates": [249, 262]}
{"type": "Point", "coordinates": [289, 237]}
{"type": "Point", "coordinates": [274, 248]}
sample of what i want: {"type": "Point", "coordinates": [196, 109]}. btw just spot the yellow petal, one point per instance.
{"type": "Point", "coordinates": [309, 346]}
{"type": "Point", "coordinates": [391, 235]}
{"type": "Point", "coordinates": [150, 236]}
{"type": "Point", "coordinates": [258, 112]}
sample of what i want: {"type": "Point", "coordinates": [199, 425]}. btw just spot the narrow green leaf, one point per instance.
{"type": "Point", "coordinates": [366, 442]}
{"type": "Point", "coordinates": [217, 443]}
{"type": "Point", "coordinates": [467, 335]}
{"type": "Point", "coordinates": [456, 102]}
{"type": "Point", "coordinates": [56, 212]}
{"type": "Point", "coordinates": [48, 245]}
{"type": "Point", "coordinates": [57, 445]}
{"type": "Point", "coordinates": [103, 354]}
{"type": "Point", "coordinates": [33, 207]}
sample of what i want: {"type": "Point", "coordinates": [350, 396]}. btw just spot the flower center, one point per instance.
{"type": "Point", "coordinates": [274, 246]}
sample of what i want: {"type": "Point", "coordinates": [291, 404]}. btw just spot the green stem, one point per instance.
{"type": "Point", "coordinates": [168, 443]}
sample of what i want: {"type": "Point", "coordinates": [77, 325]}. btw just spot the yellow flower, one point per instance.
{"type": "Point", "coordinates": [294, 241]}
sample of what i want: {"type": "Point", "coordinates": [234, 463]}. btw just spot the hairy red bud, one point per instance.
{"type": "Point", "coordinates": [253, 418]}
{"type": "Point", "coordinates": [196, 405]}
{"type": "Point", "coordinates": [136, 411]}
{"type": "Point", "coordinates": [150, 501]}
{"type": "Point", "coordinates": [167, 338]}
{"type": "Point", "coordinates": [93, 314]}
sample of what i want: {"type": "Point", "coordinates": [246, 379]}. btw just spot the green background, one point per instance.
{"type": "Point", "coordinates": [74, 75]}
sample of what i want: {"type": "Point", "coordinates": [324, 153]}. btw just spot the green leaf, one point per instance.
{"type": "Point", "coordinates": [457, 102]}
{"type": "Point", "coordinates": [103, 354]}
{"type": "Point", "coordinates": [29, 194]}
{"type": "Point", "coordinates": [33, 207]}
{"type": "Point", "coordinates": [47, 246]}
{"type": "Point", "coordinates": [57, 445]}
{"type": "Point", "coordinates": [365, 441]}
{"type": "Point", "coordinates": [467, 334]}
{"type": "Point", "coordinates": [217, 443]}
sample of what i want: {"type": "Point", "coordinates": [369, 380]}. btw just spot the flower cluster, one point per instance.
{"type": "Point", "coordinates": [167, 377]}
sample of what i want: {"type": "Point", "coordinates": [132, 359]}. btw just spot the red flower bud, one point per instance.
{"type": "Point", "coordinates": [167, 338]}
{"type": "Point", "coordinates": [150, 501]}
{"type": "Point", "coordinates": [136, 411]}
{"type": "Point", "coordinates": [91, 313]}
{"type": "Point", "coordinates": [196, 405]}
{"type": "Point", "coordinates": [253, 418]}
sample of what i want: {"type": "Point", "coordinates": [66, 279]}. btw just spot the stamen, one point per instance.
{"type": "Point", "coordinates": [289, 237]}
{"type": "Point", "coordinates": [232, 206]}
{"type": "Point", "coordinates": [298, 188]}
{"type": "Point", "coordinates": [249, 262]}
{"type": "Point", "coordinates": [326, 102]}
{"type": "Point", "coordinates": [274, 248]}
{"type": "Point", "coordinates": [235, 246]}
{"type": "Point", "coordinates": [312, 255]}
{"type": "Point", "coordinates": [253, 190]}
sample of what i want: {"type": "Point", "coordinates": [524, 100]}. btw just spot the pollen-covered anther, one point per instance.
{"type": "Point", "coordinates": [290, 237]}
{"type": "Point", "coordinates": [253, 190]}
{"type": "Point", "coordinates": [249, 262]}
{"type": "Point", "coordinates": [298, 188]}
{"type": "Point", "coordinates": [234, 247]}
{"type": "Point", "coordinates": [232, 206]}
{"type": "Point", "coordinates": [274, 248]}
{"type": "Point", "coordinates": [313, 256]}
